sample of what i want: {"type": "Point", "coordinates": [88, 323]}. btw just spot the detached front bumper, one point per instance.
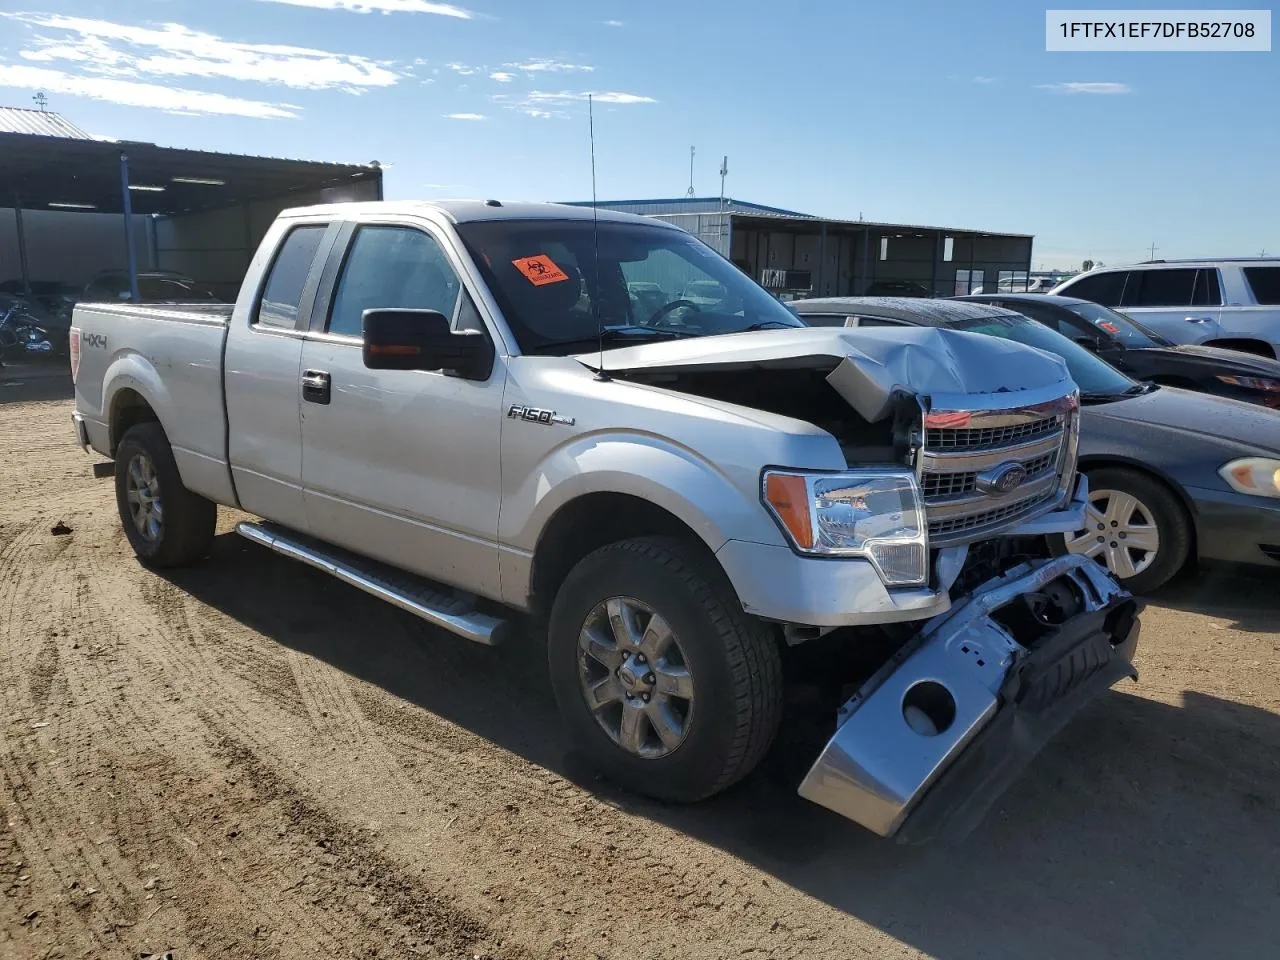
{"type": "Point", "coordinates": [931, 741]}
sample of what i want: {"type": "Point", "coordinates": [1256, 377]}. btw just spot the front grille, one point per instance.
{"type": "Point", "coordinates": [952, 526]}
{"type": "Point", "coordinates": [936, 486]}
{"type": "Point", "coordinates": [980, 438]}
{"type": "Point", "coordinates": [962, 506]}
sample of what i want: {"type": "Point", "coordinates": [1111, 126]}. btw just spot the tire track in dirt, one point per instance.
{"type": "Point", "coordinates": [182, 651]}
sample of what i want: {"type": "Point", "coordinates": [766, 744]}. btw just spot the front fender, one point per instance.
{"type": "Point", "coordinates": [670, 476]}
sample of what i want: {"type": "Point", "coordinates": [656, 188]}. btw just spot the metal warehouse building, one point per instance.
{"type": "Point", "coordinates": [798, 255]}
{"type": "Point", "coordinates": [78, 205]}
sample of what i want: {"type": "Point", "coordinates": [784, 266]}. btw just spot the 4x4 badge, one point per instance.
{"type": "Point", "coordinates": [519, 411]}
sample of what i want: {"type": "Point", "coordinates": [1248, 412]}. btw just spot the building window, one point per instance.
{"type": "Point", "coordinates": [884, 248]}
{"type": "Point", "coordinates": [968, 281]}
{"type": "Point", "coordinates": [948, 248]}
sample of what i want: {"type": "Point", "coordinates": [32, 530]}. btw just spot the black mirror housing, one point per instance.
{"type": "Point", "coordinates": [423, 340]}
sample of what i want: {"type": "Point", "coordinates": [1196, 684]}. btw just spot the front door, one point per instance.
{"type": "Point", "coordinates": [401, 465]}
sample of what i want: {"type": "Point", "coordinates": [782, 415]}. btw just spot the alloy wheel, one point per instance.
{"type": "Point", "coordinates": [1120, 533]}
{"type": "Point", "coordinates": [634, 677]}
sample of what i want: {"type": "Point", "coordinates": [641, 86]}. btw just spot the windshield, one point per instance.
{"type": "Point", "coordinates": [648, 283]}
{"type": "Point", "coordinates": [1092, 375]}
{"type": "Point", "coordinates": [1120, 326]}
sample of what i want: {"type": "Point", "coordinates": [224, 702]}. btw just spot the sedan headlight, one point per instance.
{"type": "Point", "coordinates": [875, 514]}
{"type": "Point", "coordinates": [1265, 384]}
{"type": "Point", "coordinates": [1259, 476]}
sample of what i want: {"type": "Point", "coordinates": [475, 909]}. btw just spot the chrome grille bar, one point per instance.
{"type": "Point", "coordinates": [981, 471]}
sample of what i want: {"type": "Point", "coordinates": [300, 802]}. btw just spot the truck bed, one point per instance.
{"type": "Point", "coordinates": [171, 353]}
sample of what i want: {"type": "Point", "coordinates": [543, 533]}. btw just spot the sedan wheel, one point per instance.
{"type": "Point", "coordinates": [1121, 533]}
{"type": "Point", "coordinates": [1136, 527]}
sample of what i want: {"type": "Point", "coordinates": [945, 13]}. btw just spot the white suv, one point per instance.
{"type": "Point", "coordinates": [1224, 303]}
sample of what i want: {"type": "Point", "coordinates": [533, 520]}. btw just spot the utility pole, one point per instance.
{"type": "Point", "coordinates": [724, 172]}
{"type": "Point", "coordinates": [691, 153]}
{"type": "Point", "coordinates": [1154, 248]}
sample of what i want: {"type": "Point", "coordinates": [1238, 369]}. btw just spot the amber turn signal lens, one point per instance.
{"type": "Point", "coordinates": [789, 497]}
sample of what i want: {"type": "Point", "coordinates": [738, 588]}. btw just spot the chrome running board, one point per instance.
{"type": "Point", "coordinates": [435, 605]}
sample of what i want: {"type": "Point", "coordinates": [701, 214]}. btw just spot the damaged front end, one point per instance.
{"type": "Point", "coordinates": [934, 737]}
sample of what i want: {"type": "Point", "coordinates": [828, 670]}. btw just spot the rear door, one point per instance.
{"type": "Point", "coordinates": [264, 347]}
{"type": "Point", "coordinates": [400, 465]}
{"type": "Point", "coordinates": [1182, 303]}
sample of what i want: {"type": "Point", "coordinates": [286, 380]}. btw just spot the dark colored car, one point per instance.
{"type": "Point", "coordinates": [1173, 475]}
{"type": "Point", "coordinates": [1145, 355]}
{"type": "Point", "coordinates": [153, 287]}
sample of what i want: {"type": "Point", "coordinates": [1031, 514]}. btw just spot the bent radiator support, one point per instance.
{"type": "Point", "coordinates": [935, 736]}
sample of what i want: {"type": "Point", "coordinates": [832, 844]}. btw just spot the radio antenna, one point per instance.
{"type": "Point", "coordinates": [595, 238]}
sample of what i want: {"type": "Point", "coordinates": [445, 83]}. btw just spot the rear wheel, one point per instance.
{"type": "Point", "coordinates": [1135, 527]}
{"type": "Point", "coordinates": [668, 687]}
{"type": "Point", "coordinates": [166, 524]}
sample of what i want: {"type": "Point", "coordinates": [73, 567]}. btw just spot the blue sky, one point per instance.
{"type": "Point", "coordinates": [934, 113]}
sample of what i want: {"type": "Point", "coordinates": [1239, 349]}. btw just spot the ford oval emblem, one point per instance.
{"type": "Point", "coordinates": [1008, 478]}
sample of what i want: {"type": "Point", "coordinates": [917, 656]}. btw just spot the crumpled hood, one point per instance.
{"type": "Point", "coordinates": [867, 366]}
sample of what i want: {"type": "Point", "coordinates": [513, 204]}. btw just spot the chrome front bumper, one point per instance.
{"type": "Point", "coordinates": [936, 735]}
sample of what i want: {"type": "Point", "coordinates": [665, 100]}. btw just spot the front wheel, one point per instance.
{"type": "Point", "coordinates": [1135, 528]}
{"type": "Point", "coordinates": [668, 687]}
{"type": "Point", "coordinates": [166, 524]}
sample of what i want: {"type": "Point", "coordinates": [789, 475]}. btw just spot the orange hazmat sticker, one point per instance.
{"type": "Point", "coordinates": [540, 270]}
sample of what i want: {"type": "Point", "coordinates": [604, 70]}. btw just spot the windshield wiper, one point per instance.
{"type": "Point", "coordinates": [613, 335]}
{"type": "Point", "coordinates": [766, 324]}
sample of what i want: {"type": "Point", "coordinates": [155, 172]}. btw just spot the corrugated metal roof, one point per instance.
{"type": "Point", "coordinates": [19, 120]}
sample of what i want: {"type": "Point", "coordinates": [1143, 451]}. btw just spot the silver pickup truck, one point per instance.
{"type": "Point", "coordinates": [490, 413]}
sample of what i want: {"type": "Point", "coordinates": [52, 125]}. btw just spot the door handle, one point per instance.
{"type": "Point", "coordinates": [315, 386]}
{"type": "Point", "coordinates": [1199, 319]}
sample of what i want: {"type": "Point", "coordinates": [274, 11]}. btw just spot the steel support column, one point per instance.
{"type": "Point", "coordinates": [22, 243]}
{"type": "Point", "coordinates": [128, 227]}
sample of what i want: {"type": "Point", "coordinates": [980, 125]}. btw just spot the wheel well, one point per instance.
{"type": "Point", "coordinates": [588, 523]}
{"type": "Point", "coordinates": [1179, 495]}
{"type": "Point", "coordinates": [128, 409]}
{"type": "Point", "coordinates": [1259, 347]}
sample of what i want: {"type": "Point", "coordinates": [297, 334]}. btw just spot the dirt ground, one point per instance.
{"type": "Point", "coordinates": [249, 760]}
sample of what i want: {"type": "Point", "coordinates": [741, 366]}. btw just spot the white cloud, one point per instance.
{"type": "Point", "coordinates": [502, 76]}
{"type": "Point", "coordinates": [545, 105]}
{"type": "Point", "coordinates": [384, 6]}
{"type": "Point", "coordinates": [1087, 87]}
{"type": "Point", "coordinates": [462, 69]}
{"type": "Point", "coordinates": [132, 93]}
{"type": "Point", "coordinates": [985, 79]}
{"type": "Point", "coordinates": [540, 96]}
{"type": "Point", "coordinates": [612, 23]}
{"type": "Point", "coordinates": [171, 50]}
{"type": "Point", "coordinates": [465, 116]}
{"type": "Point", "coordinates": [546, 65]}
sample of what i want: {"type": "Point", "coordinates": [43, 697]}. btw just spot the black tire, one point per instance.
{"type": "Point", "coordinates": [1165, 512]}
{"type": "Point", "coordinates": [732, 658]}
{"type": "Point", "coordinates": [186, 532]}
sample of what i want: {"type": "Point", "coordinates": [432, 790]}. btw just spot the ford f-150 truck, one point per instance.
{"type": "Point", "coordinates": [466, 409]}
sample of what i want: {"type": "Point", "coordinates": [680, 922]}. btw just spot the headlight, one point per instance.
{"type": "Point", "coordinates": [1265, 384]}
{"type": "Point", "coordinates": [1256, 475]}
{"type": "Point", "coordinates": [875, 514]}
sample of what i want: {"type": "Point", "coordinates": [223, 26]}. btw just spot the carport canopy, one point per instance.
{"type": "Point", "coordinates": [128, 177]}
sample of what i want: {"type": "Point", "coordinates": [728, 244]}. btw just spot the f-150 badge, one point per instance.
{"type": "Point", "coordinates": [519, 411]}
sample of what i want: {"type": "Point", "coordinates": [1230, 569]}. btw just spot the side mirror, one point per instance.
{"type": "Point", "coordinates": [1090, 343]}
{"type": "Point", "coordinates": [422, 340]}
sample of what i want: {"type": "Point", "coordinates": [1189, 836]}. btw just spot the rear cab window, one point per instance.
{"type": "Point", "coordinates": [1265, 284]}
{"type": "Point", "coordinates": [287, 278]}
